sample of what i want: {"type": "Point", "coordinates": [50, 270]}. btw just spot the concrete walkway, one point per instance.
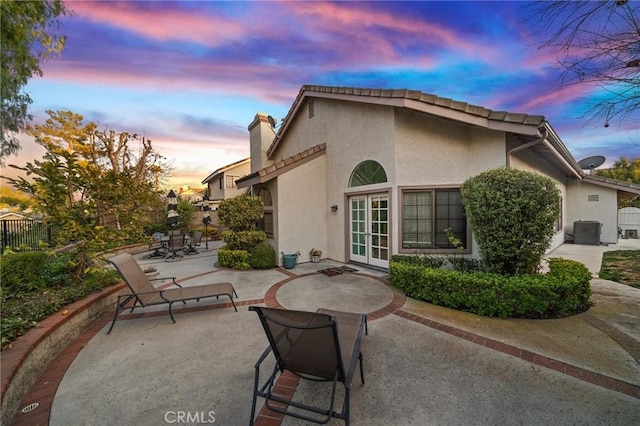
{"type": "Point", "coordinates": [424, 364]}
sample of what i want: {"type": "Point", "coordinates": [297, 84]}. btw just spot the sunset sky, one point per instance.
{"type": "Point", "coordinates": [191, 75]}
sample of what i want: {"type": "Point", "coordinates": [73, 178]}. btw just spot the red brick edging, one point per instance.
{"type": "Point", "coordinates": [532, 357]}
{"type": "Point", "coordinates": [28, 357]}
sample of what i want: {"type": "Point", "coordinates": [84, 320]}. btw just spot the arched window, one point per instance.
{"type": "Point", "coordinates": [366, 173]}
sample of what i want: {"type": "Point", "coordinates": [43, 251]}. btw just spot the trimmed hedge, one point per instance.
{"type": "Point", "coordinates": [563, 291]}
{"type": "Point", "coordinates": [243, 240]}
{"type": "Point", "coordinates": [234, 259]}
{"type": "Point", "coordinates": [263, 257]}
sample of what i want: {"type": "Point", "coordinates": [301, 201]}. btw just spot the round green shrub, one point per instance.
{"type": "Point", "coordinates": [513, 213]}
{"type": "Point", "coordinates": [263, 257]}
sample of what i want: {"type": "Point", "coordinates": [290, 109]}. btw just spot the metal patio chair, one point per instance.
{"type": "Point", "coordinates": [176, 244]}
{"type": "Point", "coordinates": [322, 346]}
{"type": "Point", "coordinates": [193, 243]}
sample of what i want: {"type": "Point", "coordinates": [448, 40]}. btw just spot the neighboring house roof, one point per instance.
{"type": "Point", "coordinates": [628, 188]}
{"type": "Point", "coordinates": [524, 127]}
{"type": "Point", "coordinates": [223, 169]}
{"type": "Point", "coordinates": [267, 173]}
{"type": "Point", "coordinates": [12, 216]}
{"type": "Point", "coordinates": [191, 191]}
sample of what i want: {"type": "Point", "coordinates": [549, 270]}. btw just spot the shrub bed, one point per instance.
{"type": "Point", "coordinates": [563, 291]}
{"type": "Point", "coordinates": [234, 259]}
{"type": "Point", "coordinates": [38, 284]}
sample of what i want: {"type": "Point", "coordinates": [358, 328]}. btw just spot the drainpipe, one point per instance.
{"type": "Point", "coordinates": [525, 146]}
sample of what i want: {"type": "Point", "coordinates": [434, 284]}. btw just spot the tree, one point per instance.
{"type": "Point", "coordinates": [626, 170]}
{"type": "Point", "coordinates": [90, 182]}
{"type": "Point", "coordinates": [26, 41]}
{"type": "Point", "coordinates": [9, 197]}
{"type": "Point", "coordinates": [186, 213]}
{"type": "Point", "coordinates": [512, 213]}
{"type": "Point", "coordinates": [598, 45]}
{"type": "Point", "coordinates": [241, 213]}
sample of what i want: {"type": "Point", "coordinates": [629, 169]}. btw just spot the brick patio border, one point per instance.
{"type": "Point", "coordinates": [31, 353]}
{"type": "Point", "coordinates": [46, 384]}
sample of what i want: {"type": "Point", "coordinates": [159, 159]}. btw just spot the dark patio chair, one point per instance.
{"type": "Point", "coordinates": [193, 243]}
{"type": "Point", "coordinates": [144, 294]}
{"type": "Point", "coordinates": [176, 243]}
{"type": "Point", "coordinates": [322, 346]}
{"type": "Point", "coordinates": [158, 246]}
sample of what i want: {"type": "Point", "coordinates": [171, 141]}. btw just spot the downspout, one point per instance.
{"type": "Point", "coordinates": [525, 146]}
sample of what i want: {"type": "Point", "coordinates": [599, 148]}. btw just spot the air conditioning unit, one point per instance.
{"type": "Point", "coordinates": [586, 232]}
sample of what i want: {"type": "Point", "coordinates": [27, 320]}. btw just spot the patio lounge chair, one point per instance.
{"type": "Point", "coordinates": [322, 346]}
{"type": "Point", "coordinates": [144, 294]}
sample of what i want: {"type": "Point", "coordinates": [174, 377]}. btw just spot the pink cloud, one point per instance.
{"type": "Point", "coordinates": [358, 23]}
{"type": "Point", "coordinates": [160, 24]}
{"type": "Point", "coordinates": [556, 96]}
{"type": "Point", "coordinates": [235, 79]}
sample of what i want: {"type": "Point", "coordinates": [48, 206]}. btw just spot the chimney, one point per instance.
{"type": "Point", "coordinates": [261, 135]}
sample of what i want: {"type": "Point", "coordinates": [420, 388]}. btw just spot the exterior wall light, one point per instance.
{"type": "Point", "coordinates": [334, 208]}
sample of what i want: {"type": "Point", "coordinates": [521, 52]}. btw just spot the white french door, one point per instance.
{"type": "Point", "coordinates": [369, 229]}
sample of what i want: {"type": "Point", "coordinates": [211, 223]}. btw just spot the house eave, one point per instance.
{"type": "Point", "coordinates": [276, 169]}
{"type": "Point", "coordinates": [223, 169]}
{"type": "Point", "coordinates": [626, 189]}
{"type": "Point", "coordinates": [417, 101]}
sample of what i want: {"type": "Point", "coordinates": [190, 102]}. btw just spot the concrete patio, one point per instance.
{"type": "Point", "coordinates": [424, 364]}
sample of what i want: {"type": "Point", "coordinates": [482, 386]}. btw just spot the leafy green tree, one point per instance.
{"type": "Point", "coordinates": [94, 191]}
{"type": "Point", "coordinates": [25, 28]}
{"type": "Point", "coordinates": [241, 213]}
{"type": "Point", "coordinates": [12, 198]}
{"type": "Point", "coordinates": [512, 213]}
{"type": "Point", "coordinates": [186, 213]}
{"type": "Point", "coordinates": [626, 170]}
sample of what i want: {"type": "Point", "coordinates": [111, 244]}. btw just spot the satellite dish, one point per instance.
{"type": "Point", "coordinates": [272, 121]}
{"type": "Point", "coordinates": [591, 163]}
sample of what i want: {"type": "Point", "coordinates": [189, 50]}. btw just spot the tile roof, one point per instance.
{"type": "Point", "coordinates": [427, 98]}
{"type": "Point", "coordinates": [632, 188]}
{"type": "Point", "coordinates": [408, 98]}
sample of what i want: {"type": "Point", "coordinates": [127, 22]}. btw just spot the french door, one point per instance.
{"type": "Point", "coordinates": [369, 229]}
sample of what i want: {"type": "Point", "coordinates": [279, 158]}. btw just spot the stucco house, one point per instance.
{"type": "Point", "coordinates": [363, 174]}
{"type": "Point", "coordinates": [221, 184]}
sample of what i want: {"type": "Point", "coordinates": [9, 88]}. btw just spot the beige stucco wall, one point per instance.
{"type": "Point", "coordinates": [222, 194]}
{"type": "Point", "coordinates": [434, 151]}
{"type": "Point", "coordinates": [302, 210]}
{"type": "Point", "coordinates": [604, 210]}
{"type": "Point", "coordinates": [529, 161]}
{"type": "Point", "coordinates": [413, 148]}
